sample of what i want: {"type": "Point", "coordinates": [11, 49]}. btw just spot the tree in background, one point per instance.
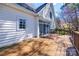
{"type": "Point", "coordinates": [74, 7]}
{"type": "Point", "coordinates": [58, 22]}
{"type": "Point", "coordinates": [70, 14]}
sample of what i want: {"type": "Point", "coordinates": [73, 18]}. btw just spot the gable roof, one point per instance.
{"type": "Point", "coordinates": [26, 6]}
{"type": "Point", "coordinates": [40, 7]}
{"type": "Point", "coordinates": [30, 8]}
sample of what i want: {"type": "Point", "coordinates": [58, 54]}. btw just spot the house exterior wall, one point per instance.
{"type": "Point", "coordinates": [9, 33]}
{"type": "Point", "coordinates": [45, 13]}
{"type": "Point", "coordinates": [9, 20]}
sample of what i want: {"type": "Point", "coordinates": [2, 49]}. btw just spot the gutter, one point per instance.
{"type": "Point", "coordinates": [18, 8]}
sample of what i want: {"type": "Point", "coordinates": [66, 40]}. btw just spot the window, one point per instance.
{"type": "Point", "coordinates": [50, 15]}
{"type": "Point", "coordinates": [22, 24]}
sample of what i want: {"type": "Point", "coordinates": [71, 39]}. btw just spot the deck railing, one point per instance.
{"type": "Point", "coordinates": [75, 37]}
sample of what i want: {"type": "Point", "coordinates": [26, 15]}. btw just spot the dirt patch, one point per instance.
{"type": "Point", "coordinates": [32, 47]}
{"type": "Point", "coordinates": [54, 45]}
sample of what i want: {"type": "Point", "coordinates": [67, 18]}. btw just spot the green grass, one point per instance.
{"type": "Point", "coordinates": [61, 31]}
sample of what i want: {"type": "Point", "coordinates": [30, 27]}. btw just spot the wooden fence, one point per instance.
{"type": "Point", "coordinates": [75, 36]}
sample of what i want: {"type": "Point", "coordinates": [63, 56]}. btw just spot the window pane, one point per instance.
{"type": "Point", "coordinates": [50, 15]}
{"type": "Point", "coordinates": [22, 24]}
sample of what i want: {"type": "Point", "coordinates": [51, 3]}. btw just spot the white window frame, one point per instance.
{"type": "Point", "coordinates": [17, 25]}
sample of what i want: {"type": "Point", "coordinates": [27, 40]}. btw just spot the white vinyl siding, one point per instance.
{"type": "Point", "coordinates": [8, 26]}
{"type": "Point", "coordinates": [8, 33]}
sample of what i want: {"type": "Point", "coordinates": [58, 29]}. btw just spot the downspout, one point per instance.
{"type": "Point", "coordinates": [37, 26]}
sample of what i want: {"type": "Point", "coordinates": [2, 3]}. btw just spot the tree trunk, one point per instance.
{"type": "Point", "coordinates": [76, 20]}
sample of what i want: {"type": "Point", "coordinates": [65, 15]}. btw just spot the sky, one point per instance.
{"type": "Point", "coordinates": [57, 7]}
{"type": "Point", "coordinates": [35, 5]}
